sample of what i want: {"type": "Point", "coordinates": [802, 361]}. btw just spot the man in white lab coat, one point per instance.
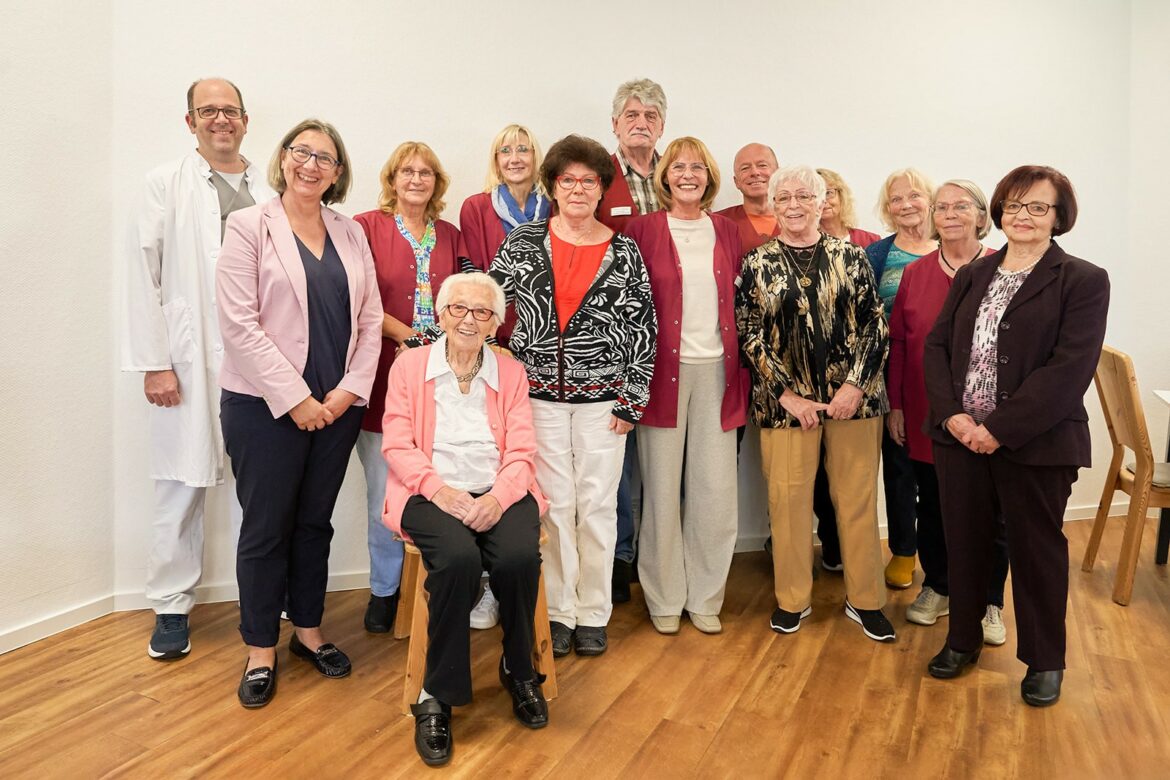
{"type": "Point", "coordinates": [171, 336]}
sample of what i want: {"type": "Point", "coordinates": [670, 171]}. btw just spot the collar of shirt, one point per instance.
{"type": "Point", "coordinates": [437, 364]}
{"type": "Point", "coordinates": [627, 170]}
{"type": "Point", "coordinates": [205, 167]}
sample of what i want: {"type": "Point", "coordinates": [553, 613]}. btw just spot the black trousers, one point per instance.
{"type": "Point", "coordinates": [287, 481]}
{"type": "Point", "coordinates": [976, 488]}
{"type": "Point", "coordinates": [454, 557]}
{"type": "Point", "coordinates": [901, 496]}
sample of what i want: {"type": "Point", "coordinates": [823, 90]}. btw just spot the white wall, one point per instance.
{"type": "Point", "coordinates": [862, 87]}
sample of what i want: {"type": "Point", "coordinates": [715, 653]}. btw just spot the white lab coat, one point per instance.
{"type": "Point", "coordinates": [170, 317]}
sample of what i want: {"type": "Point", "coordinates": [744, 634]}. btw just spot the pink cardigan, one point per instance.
{"type": "Point", "coordinates": [408, 436]}
{"type": "Point", "coordinates": [264, 311]}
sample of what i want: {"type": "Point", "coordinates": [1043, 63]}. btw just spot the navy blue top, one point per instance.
{"type": "Point", "coordinates": [329, 322]}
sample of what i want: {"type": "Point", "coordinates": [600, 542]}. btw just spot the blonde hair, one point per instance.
{"type": "Point", "coordinates": [511, 135]}
{"type": "Point", "coordinates": [834, 181]}
{"type": "Point", "coordinates": [917, 180]}
{"type": "Point", "coordinates": [674, 150]}
{"type": "Point", "coordinates": [388, 201]}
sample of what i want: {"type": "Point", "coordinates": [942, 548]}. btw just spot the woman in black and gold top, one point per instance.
{"type": "Point", "coordinates": [814, 335]}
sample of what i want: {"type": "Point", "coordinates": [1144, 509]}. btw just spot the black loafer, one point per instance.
{"type": "Point", "coordinates": [257, 686]}
{"type": "Point", "coordinates": [949, 664]}
{"type": "Point", "coordinates": [432, 731]}
{"type": "Point", "coordinates": [562, 638]}
{"type": "Point", "coordinates": [380, 613]}
{"type": "Point", "coordinates": [590, 640]}
{"type": "Point", "coordinates": [528, 702]}
{"type": "Point", "coordinates": [1041, 689]}
{"type": "Point", "coordinates": [622, 572]}
{"type": "Point", "coordinates": [328, 660]}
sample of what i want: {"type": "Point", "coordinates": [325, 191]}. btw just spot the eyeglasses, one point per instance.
{"type": "Point", "coordinates": [962, 207]}
{"type": "Point", "coordinates": [518, 149]}
{"type": "Point", "coordinates": [567, 182]}
{"type": "Point", "coordinates": [1035, 208]}
{"type": "Point", "coordinates": [211, 112]}
{"type": "Point", "coordinates": [302, 154]}
{"type": "Point", "coordinates": [459, 311]}
{"type": "Point", "coordinates": [803, 198]}
{"type": "Point", "coordinates": [678, 168]}
{"type": "Point", "coordinates": [426, 174]}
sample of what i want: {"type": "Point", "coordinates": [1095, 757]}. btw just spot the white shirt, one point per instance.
{"type": "Point", "coordinates": [465, 452]}
{"type": "Point", "coordinates": [169, 316]}
{"type": "Point", "coordinates": [695, 241]}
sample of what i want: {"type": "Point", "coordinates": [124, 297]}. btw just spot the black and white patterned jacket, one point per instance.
{"type": "Point", "coordinates": [607, 349]}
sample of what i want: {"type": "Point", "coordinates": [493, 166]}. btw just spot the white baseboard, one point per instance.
{"type": "Point", "coordinates": [54, 624]}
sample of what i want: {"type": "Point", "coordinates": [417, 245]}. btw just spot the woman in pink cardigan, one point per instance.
{"type": "Point", "coordinates": [460, 446]}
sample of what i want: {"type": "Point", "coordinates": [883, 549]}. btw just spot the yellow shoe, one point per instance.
{"type": "Point", "coordinates": [900, 572]}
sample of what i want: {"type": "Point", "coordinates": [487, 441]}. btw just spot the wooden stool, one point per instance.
{"type": "Point", "coordinates": [412, 622]}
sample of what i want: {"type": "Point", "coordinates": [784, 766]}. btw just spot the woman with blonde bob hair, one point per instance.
{"type": "Point", "coordinates": [698, 396]}
{"type": "Point", "coordinates": [414, 251]}
{"type": "Point", "coordinates": [839, 219]}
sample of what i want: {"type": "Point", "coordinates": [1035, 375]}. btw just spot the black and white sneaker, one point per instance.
{"type": "Point", "coordinates": [785, 622]}
{"type": "Point", "coordinates": [872, 622]}
{"type": "Point", "coordinates": [171, 638]}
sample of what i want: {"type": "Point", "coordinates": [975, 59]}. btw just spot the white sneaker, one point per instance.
{"type": "Point", "coordinates": [928, 607]}
{"type": "Point", "coordinates": [994, 631]}
{"type": "Point", "coordinates": [487, 612]}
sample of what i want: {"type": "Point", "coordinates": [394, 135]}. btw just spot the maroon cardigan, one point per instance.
{"type": "Point", "coordinates": [652, 234]}
{"type": "Point", "coordinates": [748, 237]}
{"type": "Point", "coordinates": [1049, 343]}
{"type": "Point", "coordinates": [481, 229]}
{"type": "Point", "coordinates": [617, 197]}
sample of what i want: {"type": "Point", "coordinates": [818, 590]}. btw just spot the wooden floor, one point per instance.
{"type": "Point", "coordinates": [825, 702]}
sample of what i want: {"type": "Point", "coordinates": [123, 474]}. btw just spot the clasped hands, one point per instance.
{"type": "Point", "coordinates": [313, 415]}
{"type": "Point", "coordinates": [842, 406]}
{"type": "Point", "coordinates": [971, 435]}
{"type": "Point", "coordinates": [478, 514]}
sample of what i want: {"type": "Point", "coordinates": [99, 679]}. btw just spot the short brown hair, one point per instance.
{"type": "Point", "coordinates": [576, 149]}
{"type": "Point", "coordinates": [1021, 180]}
{"type": "Point", "coordinates": [197, 82]}
{"type": "Point", "coordinates": [388, 201]}
{"type": "Point", "coordinates": [674, 150]}
{"type": "Point", "coordinates": [338, 189]}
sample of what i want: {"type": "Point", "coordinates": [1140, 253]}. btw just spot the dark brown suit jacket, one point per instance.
{"type": "Point", "coordinates": [1049, 343]}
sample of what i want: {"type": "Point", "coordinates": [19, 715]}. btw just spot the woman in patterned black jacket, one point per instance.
{"type": "Point", "coordinates": [585, 331]}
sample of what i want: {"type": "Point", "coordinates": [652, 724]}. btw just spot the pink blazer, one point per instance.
{"type": "Point", "coordinates": [408, 436]}
{"type": "Point", "coordinates": [263, 307]}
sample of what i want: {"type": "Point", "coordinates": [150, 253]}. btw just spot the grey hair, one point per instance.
{"type": "Point", "coordinates": [472, 279]}
{"type": "Point", "coordinates": [648, 92]}
{"type": "Point", "coordinates": [972, 189]}
{"type": "Point", "coordinates": [804, 174]}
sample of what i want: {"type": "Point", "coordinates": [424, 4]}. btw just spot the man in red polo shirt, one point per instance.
{"type": "Point", "coordinates": [753, 167]}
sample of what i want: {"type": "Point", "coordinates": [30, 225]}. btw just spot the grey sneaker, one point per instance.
{"type": "Point", "coordinates": [171, 638]}
{"type": "Point", "coordinates": [928, 607]}
{"type": "Point", "coordinates": [994, 631]}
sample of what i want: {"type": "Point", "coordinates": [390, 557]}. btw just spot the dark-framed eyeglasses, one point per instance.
{"type": "Point", "coordinates": [459, 311]}
{"type": "Point", "coordinates": [211, 112]}
{"type": "Point", "coordinates": [1036, 208]}
{"type": "Point", "coordinates": [567, 182]}
{"type": "Point", "coordinates": [303, 154]}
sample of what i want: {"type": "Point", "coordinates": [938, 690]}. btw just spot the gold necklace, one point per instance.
{"type": "Point", "coordinates": [462, 378]}
{"type": "Point", "coordinates": [791, 252]}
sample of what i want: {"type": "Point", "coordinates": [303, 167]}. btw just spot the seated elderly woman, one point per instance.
{"type": "Point", "coordinates": [461, 485]}
{"type": "Point", "coordinates": [811, 327]}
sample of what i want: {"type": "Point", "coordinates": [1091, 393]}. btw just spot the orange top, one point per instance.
{"type": "Point", "coordinates": [764, 224]}
{"type": "Point", "coordinates": [574, 268]}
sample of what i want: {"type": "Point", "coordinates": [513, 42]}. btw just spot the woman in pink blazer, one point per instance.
{"type": "Point", "coordinates": [460, 445]}
{"type": "Point", "coordinates": [301, 322]}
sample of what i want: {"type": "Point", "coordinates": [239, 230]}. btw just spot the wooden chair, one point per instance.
{"type": "Point", "coordinates": [414, 598]}
{"type": "Point", "coordinates": [1146, 482]}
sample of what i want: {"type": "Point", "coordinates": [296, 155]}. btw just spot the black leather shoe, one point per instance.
{"type": "Point", "coordinates": [257, 686]}
{"type": "Point", "coordinates": [590, 640]}
{"type": "Point", "coordinates": [622, 571]}
{"type": "Point", "coordinates": [380, 613]}
{"type": "Point", "coordinates": [432, 731]}
{"type": "Point", "coordinates": [528, 702]}
{"type": "Point", "coordinates": [949, 664]}
{"type": "Point", "coordinates": [1041, 689]}
{"type": "Point", "coordinates": [328, 660]}
{"type": "Point", "coordinates": [562, 638]}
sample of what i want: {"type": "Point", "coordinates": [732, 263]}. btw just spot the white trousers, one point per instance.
{"type": "Point", "coordinates": [578, 465]}
{"type": "Point", "coordinates": [684, 556]}
{"type": "Point", "coordinates": [175, 563]}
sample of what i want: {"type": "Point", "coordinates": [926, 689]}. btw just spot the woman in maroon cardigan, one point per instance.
{"type": "Point", "coordinates": [414, 251]}
{"type": "Point", "coordinates": [1007, 366]}
{"type": "Point", "coordinates": [698, 395]}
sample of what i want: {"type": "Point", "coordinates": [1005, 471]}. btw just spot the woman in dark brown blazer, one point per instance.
{"type": "Point", "coordinates": [1007, 366]}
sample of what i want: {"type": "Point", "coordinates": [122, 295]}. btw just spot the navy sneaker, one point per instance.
{"type": "Point", "coordinates": [171, 638]}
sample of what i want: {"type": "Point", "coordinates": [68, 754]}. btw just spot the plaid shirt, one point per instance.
{"type": "Point", "coordinates": [641, 187]}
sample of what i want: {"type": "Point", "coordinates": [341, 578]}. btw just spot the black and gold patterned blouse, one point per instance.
{"type": "Point", "coordinates": [811, 339]}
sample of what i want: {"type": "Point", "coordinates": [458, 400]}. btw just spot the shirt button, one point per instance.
{"type": "Point", "coordinates": [1005, 326]}
{"type": "Point", "coordinates": [1003, 360]}
{"type": "Point", "coordinates": [674, 379]}
{"type": "Point", "coordinates": [214, 253]}
{"type": "Point", "coordinates": [676, 322]}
